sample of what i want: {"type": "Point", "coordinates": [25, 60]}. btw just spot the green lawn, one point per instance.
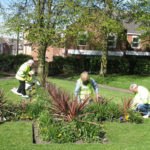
{"type": "Point", "coordinates": [122, 136]}
{"type": "Point", "coordinates": [120, 81]}
{"type": "Point", "coordinates": [69, 86]}
{"type": "Point", "coordinates": [6, 86]}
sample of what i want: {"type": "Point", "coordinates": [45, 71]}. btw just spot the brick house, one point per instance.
{"type": "Point", "coordinates": [9, 46]}
{"type": "Point", "coordinates": [132, 46]}
{"type": "Point", "coordinates": [32, 49]}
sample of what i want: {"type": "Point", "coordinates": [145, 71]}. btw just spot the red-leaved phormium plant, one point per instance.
{"type": "Point", "coordinates": [3, 102]}
{"type": "Point", "coordinates": [62, 105]}
{"type": "Point", "coordinates": [126, 105]}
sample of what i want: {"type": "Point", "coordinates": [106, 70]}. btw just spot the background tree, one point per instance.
{"type": "Point", "coordinates": [50, 19]}
{"type": "Point", "coordinates": [140, 13]}
{"type": "Point", "coordinates": [44, 21]}
{"type": "Point", "coordinates": [13, 21]}
{"type": "Point", "coordinates": [102, 18]}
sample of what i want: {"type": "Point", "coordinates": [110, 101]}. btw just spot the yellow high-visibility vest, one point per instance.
{"type": "Point", "coordinates": [85, 90]}
{"type": "Point", "coordinates": [23, 72]}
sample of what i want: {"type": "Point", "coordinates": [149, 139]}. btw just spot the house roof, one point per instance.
{"type": "Point", "coordinates": [132, 27]}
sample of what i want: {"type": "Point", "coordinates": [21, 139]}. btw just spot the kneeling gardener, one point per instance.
{"type": "Point", "coordinates": [84, 87]}
{"type": "Point", "coordinates": [141, 101]}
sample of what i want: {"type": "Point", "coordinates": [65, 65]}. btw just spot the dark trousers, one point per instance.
{"type": "Point", "coordinates": [21, 88]}
{"type": "Point", "coordinates": [143, 108]}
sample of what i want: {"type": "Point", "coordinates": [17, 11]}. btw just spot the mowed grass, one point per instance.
{"type": "Point", "coordinates": [114, 95]}
{"type": "Point", "coordinates": [6, 86]}
{"type": "Point", "coordinates": [120, 81]}
{"type": "Point", "coordinates": [122, 136]}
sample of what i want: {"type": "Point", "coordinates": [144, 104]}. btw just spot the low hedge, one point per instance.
{"type": "Point", "coordinates": [120, 65]}
{"type": "Point", "coordinates": [10, 63]}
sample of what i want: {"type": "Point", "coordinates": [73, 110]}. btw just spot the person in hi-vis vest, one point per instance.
{"type": "Point", "coordinates": [85, 87]}
{"type": "Point", "coordinates": [22, 75]}
{"type": "Point", "coordinates": [141, 100]}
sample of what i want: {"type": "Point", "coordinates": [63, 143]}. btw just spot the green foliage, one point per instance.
{"type": "Point", "coordinates": [38, 102]}
{"type": "Point", "coordinates": [119, 65]}
{"type": "Point", "coordinates": [95, 64]}
{"type": "Point", "coordinates": [140, 14]}
{"type": "Point", "coordinates": [27, 109]}
{"type": "Point", "coordinates": [103, 111]}
{"type": "Point", "coordinates": [14, 112]}
{"type": "Point", "coordinates": [10, 63]}
{"type": "Point", "coordinates": [135, 117]}
{"type": "Point", "coordinates": [62, 105]}
{"type": "Point", "coordinates": [57, 131]}
{"type": "Point", "coordinates": [142, 66]}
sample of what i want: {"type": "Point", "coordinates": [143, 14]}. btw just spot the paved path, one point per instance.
{"type": "Point", "coordinates": [114, 88]}
{"type": "Point", "coordinates": [6, 78]}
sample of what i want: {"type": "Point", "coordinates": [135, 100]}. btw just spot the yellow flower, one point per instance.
{"type": "Point", "coordinates": [38, 122]}
{"type": "Point", "coordinates": [33, 100]}
{"type": "Point", "coordinates": [127, 117]}
{"type": "Point", "coordinates": [31, 117]}
{"type": "Point", "coordinates": [45, 128]}
{"type": "Point", "coordinates": [27, 117]}
{"type": "Point", "coordinates": [21, 117]}
{"type": "Point", "coordinates": [59, 135]}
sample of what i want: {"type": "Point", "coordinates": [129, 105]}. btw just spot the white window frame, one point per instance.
{"type": "Point", "coordinates": [135, 36]}
{"type": "Point", "coordinates": [114, 41]}
{"type": "Point", "coordinates": [85, 33]}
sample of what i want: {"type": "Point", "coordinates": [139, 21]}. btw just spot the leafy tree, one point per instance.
{"type": "Point", "coordinates": [43, 23]}
{"type": "Point", "coordinates": [13, 20]}
{"type": "Point", "coordinates": [102, 18]}
{"type": "Point", "coordinates": [140, 12]}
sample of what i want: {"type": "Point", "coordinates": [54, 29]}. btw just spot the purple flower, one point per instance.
{"type": "Point", "coordinates": [121, 118]}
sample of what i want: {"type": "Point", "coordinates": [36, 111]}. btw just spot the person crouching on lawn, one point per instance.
{"type": "Point", "coordinates": [22, 75]}
{"type": "Point", "coordinates": [141, 101]}
{"type": "Point", "coordinates": [84, 88]}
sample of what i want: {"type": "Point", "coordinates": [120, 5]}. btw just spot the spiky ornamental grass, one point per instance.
{"type": "Point", "coordinates": [126, 105]}
{"type": "Point", "coordinates": [3, 108]}
{"type": "Point", "coordinates": [62, 105]}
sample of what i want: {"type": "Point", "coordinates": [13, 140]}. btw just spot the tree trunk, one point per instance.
{"type": "Point", "coordinates": [103, 69]}
{"type": "Point", "coordinates": [17, 46]}
{"type": "Point", "coordinates": [41, 60]}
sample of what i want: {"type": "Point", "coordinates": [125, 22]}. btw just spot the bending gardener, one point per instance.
{"type": "Point", "coordinates": [141, 101]}
{"type": "Point", "coordinates": [85, 87]}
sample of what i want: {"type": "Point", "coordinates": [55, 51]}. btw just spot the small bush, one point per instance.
{"type": "Point", "coordinates": [57, 131]}
{"type": "Point", "coordinates": [10, 63]}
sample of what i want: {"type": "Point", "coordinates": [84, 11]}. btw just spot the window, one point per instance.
{"type": "Point", "coordinates": [135, 42]}
{"type": "Point", "coordinates": [112, 41]}
{"type": "Point", "coordinates": [82, 39]}
{"type": "Point", "coordinates": [20, 46]}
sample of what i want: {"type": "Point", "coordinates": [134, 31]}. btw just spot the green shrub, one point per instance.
{"type": "Point", "coordinates": [118, 65]}
{"type": "Point", "coordinates": [39, 102]}
{"type": "Point", "coordinates": [121, 65]}
{"type": "Point", "coordinates": [142, 66]}
{"type": "Point", "coordinates": [101, 112]}
{"type": "Point", "coordinates": [95, 64]}
{"type": "Point", "coordinates": [10, 63]}
{"type": "Point", "coordinates": [57, 131]}
{"type": "Point", "coordinates": [131, 116]}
